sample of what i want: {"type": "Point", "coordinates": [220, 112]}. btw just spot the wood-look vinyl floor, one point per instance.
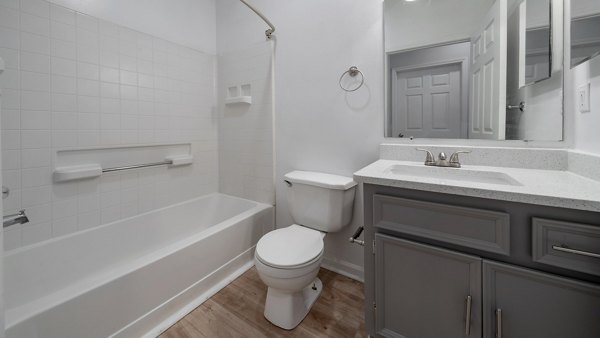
{"type": "Point", "coordinates": [237, 311]}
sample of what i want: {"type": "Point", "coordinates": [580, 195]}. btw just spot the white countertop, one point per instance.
{"type": "Point", "coordinates": [554, 188]}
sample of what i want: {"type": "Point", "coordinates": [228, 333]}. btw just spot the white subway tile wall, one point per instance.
{"type": "Point", "coordinates": [246, 131]}
{"type": "Point", "coordinates": [74, 81]}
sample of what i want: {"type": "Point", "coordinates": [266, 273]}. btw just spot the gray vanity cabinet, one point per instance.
{"type": "Point", "coordinates": [424, 291]}
{"type": "Point", "coordinates": [428, 252]}
{"type": "Point", "coordinates": [521, 303]}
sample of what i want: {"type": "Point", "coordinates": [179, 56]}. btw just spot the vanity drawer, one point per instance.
{"type": "Point", "coordinates": [468, 227]}
{"type": "Point", "coordinates": [566, 245]}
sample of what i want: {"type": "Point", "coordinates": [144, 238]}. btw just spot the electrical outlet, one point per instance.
{"type": "Point", "coordinates": [583, 98]}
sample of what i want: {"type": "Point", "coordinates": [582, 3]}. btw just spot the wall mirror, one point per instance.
{"type": "Point", "coordinates": [585, 30]}
{"type": "Point", "coordinates": [474, 69]}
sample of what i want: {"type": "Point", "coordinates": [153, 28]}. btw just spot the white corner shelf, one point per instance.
{"type": "Point", "coordinates": [238, 100]}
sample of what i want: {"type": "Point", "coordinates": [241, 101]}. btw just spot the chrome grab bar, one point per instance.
{"type": "Point", "coordinates": [137, 166]}
{"type": "Point", "coordinates": [18, 218]}
{"type": "Point", "coordinates": [354, 239]}
{"type": "Point", "coordinates": [564, 248]}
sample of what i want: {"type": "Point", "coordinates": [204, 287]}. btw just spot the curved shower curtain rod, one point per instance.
{"type": "Point", "coordinates": [269, 31]}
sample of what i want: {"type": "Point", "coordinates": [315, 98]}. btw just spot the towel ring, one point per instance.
{"type": "Point", "coordinates": [353, 72]}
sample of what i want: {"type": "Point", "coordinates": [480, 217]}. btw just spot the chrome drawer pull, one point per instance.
{"type": "Point", "coordinates": [499, 323]}
{"type": "Point", "coordinates": [468, 320]}
{"type": "Point", "coordinates": [565, 248]}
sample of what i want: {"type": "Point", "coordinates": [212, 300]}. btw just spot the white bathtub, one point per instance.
{"type": "Point", "coordinates": [134, 277]}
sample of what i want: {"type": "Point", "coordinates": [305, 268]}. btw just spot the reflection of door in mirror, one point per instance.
{"type": "Point", "coordinates": [487, 118]}
{"type": "Point", "coordinates": [427, 102]}
{"type": "Point", "coordinates": [585, 30]}
{"type": "Point", "coordinates": [429, 92]}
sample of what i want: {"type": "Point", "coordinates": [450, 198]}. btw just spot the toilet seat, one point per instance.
{"type": "Point", "coordinates": [291, 247]}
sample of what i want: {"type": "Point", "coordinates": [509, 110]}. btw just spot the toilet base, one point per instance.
{"type": "Point", "coordinates": [287, 310]}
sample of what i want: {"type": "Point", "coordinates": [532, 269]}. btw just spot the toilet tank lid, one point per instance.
{"type": "Point", "coordinates": [322, 180]}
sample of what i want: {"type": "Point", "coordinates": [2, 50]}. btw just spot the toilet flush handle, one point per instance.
{"type": "Point", "coordinates": [288, 183]}
{"type": "Point", "coordinates": [354, 239]}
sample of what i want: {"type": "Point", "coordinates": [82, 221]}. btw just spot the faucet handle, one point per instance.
{"type": "Point", "coordinates": [454, 157]}
{"type": "Point", "coordinates": [429, 158]}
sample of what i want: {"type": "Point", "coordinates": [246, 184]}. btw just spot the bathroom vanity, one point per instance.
{"type": "Point", "coordinates": [480, 252]}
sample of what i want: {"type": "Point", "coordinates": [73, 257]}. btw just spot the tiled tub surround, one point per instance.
{"type": "Point", "coordinates": [246, 130]}
{"type": "Point", "coordinates": [73, 81]}
{"type": "Point", "coordinates": [552, 177]}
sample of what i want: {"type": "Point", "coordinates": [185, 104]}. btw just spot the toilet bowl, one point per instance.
{"type": "Point", "coordinates": [290, 272]}
{"type": "Point", "coordinates": [288, 259]}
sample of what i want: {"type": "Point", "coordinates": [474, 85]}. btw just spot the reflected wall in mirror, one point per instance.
{"type": "Point", "coordinates": [585, 30]}
{"type": "Point", "coordinates": [453, 67]}
{"type": "Point", "coordinates": [538, 41]}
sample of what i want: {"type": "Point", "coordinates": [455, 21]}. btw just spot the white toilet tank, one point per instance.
{"type": "Point", "coordinates": [320, 201]}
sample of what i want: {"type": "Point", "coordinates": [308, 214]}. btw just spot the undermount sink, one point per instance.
{"type": "Point", "coordinates": [453, 174]}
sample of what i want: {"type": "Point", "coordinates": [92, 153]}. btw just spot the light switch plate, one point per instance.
{"type": "Point", "coordinates": [583, 98]}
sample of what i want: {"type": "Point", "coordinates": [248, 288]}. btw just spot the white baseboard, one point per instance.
{"type": "Point", "coordinates": [173, 310]}
{"type": "Point", "coordinates": [344, 268]}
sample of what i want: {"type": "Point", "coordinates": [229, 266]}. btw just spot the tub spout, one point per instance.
{"type": "Point", "coordinates": [18, 218]}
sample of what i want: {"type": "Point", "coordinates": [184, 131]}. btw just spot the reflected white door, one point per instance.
{"type": "Point", "coordinates": [427, 102]}
{"type": "Point", "coordinates": [487, 117]}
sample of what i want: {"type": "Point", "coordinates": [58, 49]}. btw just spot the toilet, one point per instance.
{"type": "Point", "coordinates": [288, 259]}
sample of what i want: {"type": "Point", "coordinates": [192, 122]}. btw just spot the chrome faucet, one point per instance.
{"type": "Point", "coordinates": [443, 161]}
{"type": "Point", "coordinates": [18, 218]}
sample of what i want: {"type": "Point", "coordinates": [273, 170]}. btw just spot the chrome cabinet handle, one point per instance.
{"type": "Point", "coordinates": [498, 323]}
{"type": "Point", "coordinates": [564, 248]}
{"type": "Point", "coordinates": [468, 319]}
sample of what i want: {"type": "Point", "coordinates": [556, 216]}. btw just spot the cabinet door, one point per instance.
{"type": "Point", "coordinates": [537, 305]}
{"type": "Point", "coordinates": [425, 292]}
